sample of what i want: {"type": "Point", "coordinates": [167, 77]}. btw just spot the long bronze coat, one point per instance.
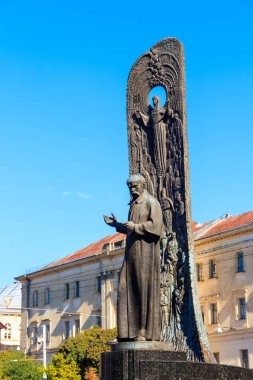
{"type": "Point", "coordinates": [138, 305]}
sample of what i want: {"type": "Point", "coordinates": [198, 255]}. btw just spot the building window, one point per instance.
{"type": "Point", "coordinates": [66, 292]}
{"type": "Point", "coordinates": [35, 298]}
{"type": "Point", "coordinates": [47, 333]}
{"type": "Point", "coordinates": [67, 329]}
{"type": "Point", "coordinates": [214, 313]}
{"type": "Point", "coordinates": [212, 269]}
{"type": "Point", "coordinates": [242, 308]}
{"type": "Point", "coordinates": [47, 296]}
{"type": "Point", "coordinates": [7, 332]}
{"type": "Point", "coordinates": [97, 320]}
{"type": "Point", "coordinates": [77, 326]}
{"type": "Point", "coordinates": [106, 248]}
{"type": "Point", "coordinates": [240, 262]}
{"type": "Point", "coordinates": [202, 313]}
{"type": "Point", "coordinates": [119, 244]}
{"type": "Point", "coordinates": [200, 272]}
{"type": "Point", "coordinates": [77, 289]}
{"type": "Point", "coordinates": [34, 335]}
{"type": "Point", "coordinates": [245, 358]}
{"type": "Point", "coordinates": [217, 356]}
{"type": "Point", "coordinates": [99, 284]}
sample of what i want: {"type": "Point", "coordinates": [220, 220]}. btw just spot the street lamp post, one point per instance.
{"type": "Point", "coordinates": [44, 343]}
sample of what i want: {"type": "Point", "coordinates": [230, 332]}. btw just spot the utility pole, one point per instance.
{"type": "Point", "coordinates": [44, 343]}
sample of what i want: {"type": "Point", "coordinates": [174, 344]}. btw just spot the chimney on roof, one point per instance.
{"type": "Point", "coordinates": [227, 216]}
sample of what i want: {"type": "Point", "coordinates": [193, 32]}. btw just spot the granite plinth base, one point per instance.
{"type": "Point", "coordinates": [164, 365]}
{"type": "Point", "coordinates": [142, 345]}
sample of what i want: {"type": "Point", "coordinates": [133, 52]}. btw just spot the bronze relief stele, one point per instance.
{"type": "Point", "coordinates": [158, 296]}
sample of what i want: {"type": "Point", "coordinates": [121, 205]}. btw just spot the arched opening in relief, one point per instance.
{"type": "Point", "coordinates": [158, 91]}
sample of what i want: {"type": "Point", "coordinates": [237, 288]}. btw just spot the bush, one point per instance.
{"type": "Point", "coordinates": [14, 366]}
{"type": "Point", "coordinates": [21, 370]}
{"type": "Point", "coordinates": [62, 368]}
{"type": "Point", "coordinates": [86, 347]}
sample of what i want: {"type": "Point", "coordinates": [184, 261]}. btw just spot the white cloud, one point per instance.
{"type": "Point", "coordinates": [82, 195]}
{"type": "Point", "coordinates": [66, 193]}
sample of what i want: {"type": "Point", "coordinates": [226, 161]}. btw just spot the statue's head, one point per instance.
{"type": "Point", "coordinates": [136, 184]}
{"type": "Point", "coordinates": [178, 196]}
{"type": "Point", "coordinates": [136, 127]}
{"type": "Point", "coordinates": [156, 100]}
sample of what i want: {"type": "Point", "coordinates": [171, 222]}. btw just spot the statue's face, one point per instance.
{"type": "Point", "coordinates": [136, 188]}
{"type": "Point", "coordinates": [178, 196]}
{"type": "Point", "coordinates": [156, 101]}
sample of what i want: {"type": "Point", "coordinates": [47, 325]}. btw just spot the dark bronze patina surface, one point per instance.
{"type": "Point", "coordinates": [138, 305]}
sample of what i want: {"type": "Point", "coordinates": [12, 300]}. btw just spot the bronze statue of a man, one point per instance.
{"type": "Point", "coordinates": [138, 305]}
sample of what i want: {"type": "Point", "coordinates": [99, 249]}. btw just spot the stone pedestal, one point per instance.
{"type": "Point", "coordinates": [163, 364]}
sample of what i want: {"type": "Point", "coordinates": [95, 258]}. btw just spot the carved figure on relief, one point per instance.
{"type": "Point", "coordinates": [177, 127]}
{"type": "Point", "coordinates": [135, 143]}
{"type": "Point", "coordinates": [179, 203]}
{"type": "Point", "coordinates": [168, 283]}
{"type": "Point", "coordinates": [165, 311]}
{"type": "Point", "coordinates": [156, 120]}
{"type": "Point", "coordinates": [167, 208]}
{"type": "Point", "coordinates": [177, 181]}
{"type": "Point", "coordinates": [180, 290]}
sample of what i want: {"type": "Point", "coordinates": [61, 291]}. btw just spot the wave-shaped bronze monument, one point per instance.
{"type": "Point", "coordinates": [161, 334]}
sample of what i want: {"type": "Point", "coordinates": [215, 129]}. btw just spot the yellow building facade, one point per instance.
{"type": "Point", "coordinates": [224, 266]}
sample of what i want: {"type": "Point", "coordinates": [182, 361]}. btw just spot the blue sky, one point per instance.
{"type": "Point", "coordinates": [63, 145]}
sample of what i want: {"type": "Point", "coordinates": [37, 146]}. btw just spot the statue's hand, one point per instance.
{"type": "Point", "coordinates": [138, 113]}
{"type": "Point", "coordinates": [129, 226]}
{"type": "Point", "coordinates": [170, 112]}
{"type": "Point", "coordinates": [111, 221]}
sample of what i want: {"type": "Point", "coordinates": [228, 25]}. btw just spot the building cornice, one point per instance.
{"type": "Point", "coordinates": [236, 333]}
{"type": "Point", "coordinates": [233, 232]}
{"type": "Point", "coordinates": [225, 248]}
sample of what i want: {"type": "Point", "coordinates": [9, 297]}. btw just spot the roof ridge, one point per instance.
{"type": "Point", "coordinates": [80, 250]}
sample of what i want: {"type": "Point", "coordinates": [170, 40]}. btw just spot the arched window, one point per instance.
{"type": "Point", "coordinates": [7, 333]}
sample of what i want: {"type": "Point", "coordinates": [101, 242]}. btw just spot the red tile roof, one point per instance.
{"type": "Point", "coordinates": [197, 226]}
{"type": "Point", "coordinates": [92, 249]}
{"type": "Point", "coordinates": [230, 223]}
{"type": "Point", "coordinates": [199, 230]}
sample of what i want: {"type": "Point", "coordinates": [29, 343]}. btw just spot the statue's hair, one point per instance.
{"type": "Point", "coordinates": [136, 177]}
{"type": "Point", "coordinates": [156, 97]}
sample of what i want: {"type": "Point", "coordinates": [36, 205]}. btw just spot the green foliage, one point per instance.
{"type": "Point", "coordinates": [86, 347]}
{"type": "Point", "coordinates": [14, 366]}
{"type": "Point", "coordinates": [8, 355]}
{"type": "Point", "coordinates": [62, 368]}
{"type": "Point", "coordinates": [5, 357]}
